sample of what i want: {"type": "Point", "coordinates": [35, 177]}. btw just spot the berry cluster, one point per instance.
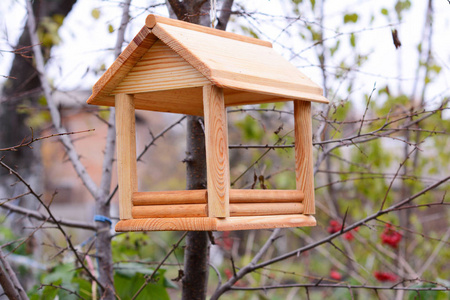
{"type": "Point", "coordinates": [390, 236]}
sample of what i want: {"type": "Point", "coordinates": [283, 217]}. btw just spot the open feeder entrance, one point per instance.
{"type": "Point", "coordinates": [218, 207]}
{"type": "Point", "coordinates": [173, 66]}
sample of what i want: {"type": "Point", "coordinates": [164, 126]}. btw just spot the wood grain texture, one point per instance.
{"type": "Point", "coordinates": [152, 20]}
{"type": "Point", "coordinates": [183, 101]}
{"type": "Point", "coordinates": [159, 69]}
{"type": "Point", "coordinates": [265, 209]}
{"type": "Point", "coordinates": [244, 66]}
{"type": "Point", "coordinates": [170, 197]}
{"type": "Point", "coordinates": [265, 196]}
{"type": "Point", "coordinates": [249, 223]}
{"type": "Point", "coordinates": [215, 224]}
{"type": "Point", "coordinates": [169, 211]}
{"type": "Point", "coordinates": [167, 224]}
{"type": "Point", "coordinates": [201, 197]}
{"type": "Point", "coordinates": [217, 159]}
{"type": "Point", "coordinates": [200, 210]}
{"type": "Point", "coordinates": [102, 89]}
{"type": "Point", "coordinates": [126, 153]}
{"type": "Point", "coordinates": [304, 172]}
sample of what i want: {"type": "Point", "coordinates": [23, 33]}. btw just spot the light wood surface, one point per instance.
{"type": "Point", "coordinates": [217, 159]}
{"type": "Point", "coordinates": [265, 209]}
{"type": "Point", "coordinates": [185, 101]}
{"type": "Point", "coordinates": [152, 20]}
{"type": "Point", "coordinates": [220, 58]}
{"type": "Point", "coordinates": [265, 196]}
{"type": "Point", "coordinates": [215, 224]}
{"type": "Point", "coordinates": [244, 66]}
{"type": "Point", "coordinates": [169, 211]}
{"type": "Point", "coordinates": [201, 197]}
{"type": "Point", "coordinates": [101, 92]}
{"type": "Point", "coordinates": [170, 197]}
{"type": "Point", "coordinates": [304, 172]}
{"type": "Point", "coordinates": [249, 223]}
{"type": "Point", "coordinates": [200, 210]}
{"type": "Point", "coordinates": [167, 224]}
{"type": "Point", "coordinates": [158, 70]}
{"type": "Point", "coordinates": [126, 152]}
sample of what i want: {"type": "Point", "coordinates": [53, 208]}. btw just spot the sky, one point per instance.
{"type": "Point", "coordinates": [86, 43]}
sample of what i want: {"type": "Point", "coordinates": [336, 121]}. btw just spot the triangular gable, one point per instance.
{"type": "Point", "coordinates": [101, 91]}
{"type": "Point", "coordinates": [160, 69]}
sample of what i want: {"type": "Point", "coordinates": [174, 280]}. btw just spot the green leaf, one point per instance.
{"type": "Point", "coordinates": [95, 13]}
{"type": "Point", "coordinates": [353, 18]}
{"type": "Point", "coordinates": [64, 272]}
{"type": "Point", "coordinates": [110, 28]}
{"type": "Point", "coordinates": [50, 292]}
{"type": "Point", "coordinates": [126, 287]}
{"type": "Point", "coordinates": [353, 40]}
{"type": "Point", "coordinates": [384, 11]}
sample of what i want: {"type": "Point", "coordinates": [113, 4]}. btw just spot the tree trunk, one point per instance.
{"type": "Point", "coordinates": [24, 87]}
{"type": "Point", "coordinates": [196, 255]}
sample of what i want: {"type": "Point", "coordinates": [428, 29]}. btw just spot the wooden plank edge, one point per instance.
{"type": "Point", "coordinates": [152, 20]}
{"type": "Point", "coordinates": [288, 94]}
{"type": "Point", "coordinates": [265, 222]}
{"type": "Point", "coordinates": [214, 224]}
{"type": "Point", "coordinates": [167, 224]}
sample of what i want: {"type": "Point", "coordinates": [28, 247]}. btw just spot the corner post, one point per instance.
{"type": "Point", "coordinates": [126, 152]}
{"type": "Point", "coordinates": [217, 158]}
{"type": "Point", "coordinates": [304, 171]}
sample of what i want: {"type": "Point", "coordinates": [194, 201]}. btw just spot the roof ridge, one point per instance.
{"type": "Point", "coordinates": [152, 20]}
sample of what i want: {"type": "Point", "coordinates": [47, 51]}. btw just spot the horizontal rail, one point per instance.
{"type": "Point", "coordinates": [201, 197]}
{"type": "Point", "coordinates": [200, 210]}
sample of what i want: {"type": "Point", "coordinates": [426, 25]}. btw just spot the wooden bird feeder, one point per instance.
{"type": "Point", "coordinates": [178, 67]}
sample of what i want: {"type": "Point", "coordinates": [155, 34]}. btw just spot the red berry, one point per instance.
{"type": "Point", "coordinates": [385, 276]}
{"type": "Point", "coordinates": [335, 275]}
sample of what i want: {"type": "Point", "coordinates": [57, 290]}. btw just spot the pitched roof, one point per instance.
{"type": "Point", "coordinates": [169, 61]}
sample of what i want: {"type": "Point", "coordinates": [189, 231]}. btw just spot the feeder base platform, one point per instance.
{"type": "Point", "coordinates": [215, 224]}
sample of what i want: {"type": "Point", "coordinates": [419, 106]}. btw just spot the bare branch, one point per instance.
{"type": "Point", "coordinates": [41, 217]}
{"type": "Point", "coordinates": [11, 280]}
{"type": "Point", "coordinates": [32, 139]}
{"type": "Point", "coordinates": [66, 236]}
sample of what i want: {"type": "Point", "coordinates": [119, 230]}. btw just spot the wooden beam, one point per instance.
{"type": "Point", "coordinates": [200, 210]}
{"type": "Point", "coordinates": [216, 143]}
{"type": "Point", "coordinates": [304, 172]}
{"type": "Point", "coordinates": [213, 224]}
{"type": "Point", "coordinates": [201, 197]}
{"type": "Point", "coordinates": [169, 211]}
{"type": "Point", "coordinates": [265, 209]}
{"type": "Point", "coordinates": [170, 197]}
{"type": "Point", "coordinates": [126, 152]}
{"type": "Point", "coordinates": [265, 196]}
{"type": "Point", "coordinates": [249, 223]}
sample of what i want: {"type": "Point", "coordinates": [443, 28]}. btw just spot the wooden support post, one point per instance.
{"type": "Point", "coordinates": [304, 172]}
{"type": "Point", "coordinates": [216, 143]}
{"type": "Point", "coordinates": [126, 152]}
